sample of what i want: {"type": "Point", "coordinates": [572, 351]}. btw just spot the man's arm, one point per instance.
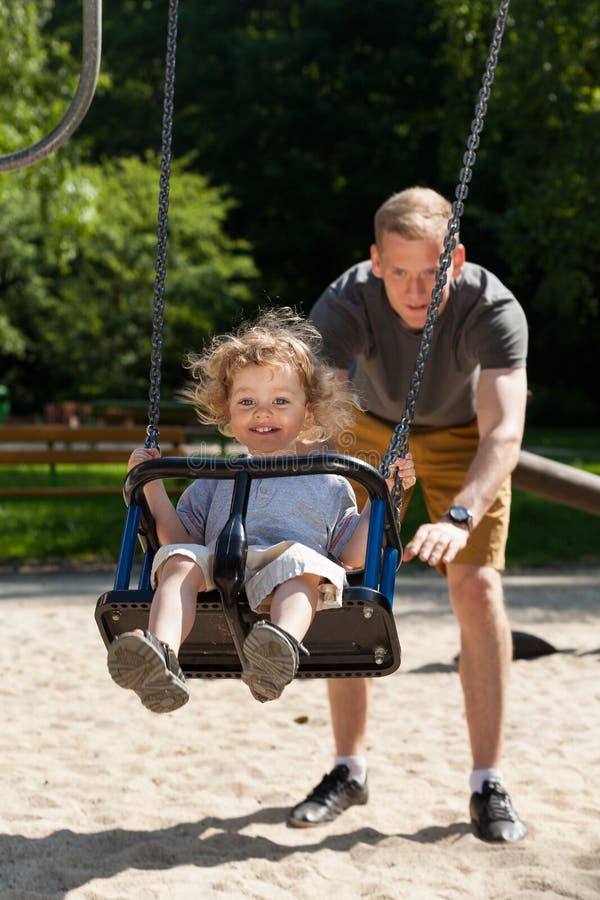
{"type": "Point", "coordinates": [500, 403]}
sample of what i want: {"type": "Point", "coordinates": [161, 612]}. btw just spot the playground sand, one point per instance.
{"type": "Point", "coordinates": [102, 799]}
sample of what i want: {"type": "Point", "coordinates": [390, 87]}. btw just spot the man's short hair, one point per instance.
{"type": "Point", "coordinates": [414, 214]}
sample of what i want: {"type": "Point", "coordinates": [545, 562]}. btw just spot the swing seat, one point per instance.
{"type": "Point", "coordinates": [357, 640]}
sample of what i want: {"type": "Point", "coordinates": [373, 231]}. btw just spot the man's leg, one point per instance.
{"type": "Point", "coordinates": [346, 784]}
{"type": "Point", "coordinates": [477, 599]}
{"type": "Point", "coordinates": [349, 702]}
{"type": "Point", "coordinates": [339, 789]}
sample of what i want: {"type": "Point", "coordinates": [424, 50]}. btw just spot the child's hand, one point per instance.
{"type": "Point", "coordinates": [142, 454]}
{"type": "Point", "coordinates": [406, 469]}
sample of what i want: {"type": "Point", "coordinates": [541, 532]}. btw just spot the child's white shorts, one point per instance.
{"type": "Point", "coordinates": [266, 568]}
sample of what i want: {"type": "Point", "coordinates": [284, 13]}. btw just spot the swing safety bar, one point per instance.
{"type": "Point", "coordinates": [359, 640]}
{"type": "Point", "coordinates": [90, 68]}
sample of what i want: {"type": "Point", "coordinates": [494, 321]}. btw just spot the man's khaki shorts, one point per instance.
{"type": "Point", "coordinates": [442, 457]}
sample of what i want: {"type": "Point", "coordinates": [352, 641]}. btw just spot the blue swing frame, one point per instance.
{"type": "Point", "coordinates": [360, 639]}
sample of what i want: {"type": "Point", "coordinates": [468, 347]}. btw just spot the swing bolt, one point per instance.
{"type": "Point", "coordinates": [379, 655]}
{"type": "Point", "coordinates": [367, 612]}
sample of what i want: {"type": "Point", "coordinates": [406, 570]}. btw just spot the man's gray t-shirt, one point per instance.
{"type": "Point", "coordinates": [482, 327]}
{"type": "Point", "coordinates": [318, 511]}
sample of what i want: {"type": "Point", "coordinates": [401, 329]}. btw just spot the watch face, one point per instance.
{"type": "Point", "coordinates": [459, 514]}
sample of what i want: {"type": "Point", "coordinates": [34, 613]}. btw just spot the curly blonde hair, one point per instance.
{"type": "Point", "coordinates": [277, 337]}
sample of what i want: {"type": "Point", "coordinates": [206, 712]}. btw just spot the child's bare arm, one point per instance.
{"type": "Point", "coordinates": [169, 527]}
{"type": "Point", "coordinates": [354, 550]}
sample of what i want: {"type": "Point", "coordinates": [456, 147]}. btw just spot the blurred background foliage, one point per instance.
{"type": "Point", "coordinates": [294, 121]}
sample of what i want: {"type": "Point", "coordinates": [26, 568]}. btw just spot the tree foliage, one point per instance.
{"type": "Point", "coordinates": [82, 262]}
{"type": "Point", "coordinates": [77, 249]}
{"type": "Point", "coordinates": [37, 74]}
{"type": "Point", "coordinates": [310, 112]}
{"type": "Point", "coordinates": [294, 106]}
{"type": "Point", "coordinates": [533, 211]}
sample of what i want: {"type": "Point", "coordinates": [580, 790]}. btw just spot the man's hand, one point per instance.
{"type": "Point", "coordinates": [438, 542]}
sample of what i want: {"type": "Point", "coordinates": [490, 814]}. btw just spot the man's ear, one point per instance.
{"type": "Point", "coordinates": [375, 261]}
{"type": "Point", "coordinates": [458, 260]}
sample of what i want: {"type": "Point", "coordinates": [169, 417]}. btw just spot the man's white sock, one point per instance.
{"type": "Point", "coordinates": [478, 776]}
{"type": "Point", "coordinates": [357, 766]}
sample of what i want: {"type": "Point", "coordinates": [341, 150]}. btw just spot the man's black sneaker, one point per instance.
{"type": "Point", "coordinates": [493, 817]}
{"type": "Point", "coordinates": [335, 793]}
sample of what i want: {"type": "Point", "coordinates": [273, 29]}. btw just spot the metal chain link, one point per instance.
{"type": "Point", "coordinates": [398, 447]}
{"type": "Point", "coordinates": [152, 432]}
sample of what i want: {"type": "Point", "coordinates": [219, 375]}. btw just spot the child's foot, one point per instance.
{"type": "Point", "coordinates": [271, 661]}
{"type": "Point", "coordinates": [142, 663]}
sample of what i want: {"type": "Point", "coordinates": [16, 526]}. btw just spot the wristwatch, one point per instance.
{"type": "Point", "coordinates": [460, 515]}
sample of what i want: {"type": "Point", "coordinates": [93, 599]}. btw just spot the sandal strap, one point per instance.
{"type": "Point", "coordinates": [171, 659]}
{"type": "Point", "coordinates": [295, 643]}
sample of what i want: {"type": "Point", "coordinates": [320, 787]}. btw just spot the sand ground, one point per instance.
{"type": "Point", "coordinates": [101, 799]}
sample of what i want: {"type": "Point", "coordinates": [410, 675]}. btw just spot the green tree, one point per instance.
{"type": "Point", "coordinates": [533, 212]}
{"type": "Point", "coordinates": [37, 81]}
{"type": "Point", "coordinates": [310, 112]}
{"type": "Point", "coordinates": [37, 74]}
{"type": "Point", "coordinates": [77, 243]}
{"type": "Point", "coordinates": [82, 299]}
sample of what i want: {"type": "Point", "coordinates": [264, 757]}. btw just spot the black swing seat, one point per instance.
{"type": "Point", "coordinates": [358, 640]}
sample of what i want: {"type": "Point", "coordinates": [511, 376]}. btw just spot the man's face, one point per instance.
{"type": "Point", "coordinates": [408, 271]}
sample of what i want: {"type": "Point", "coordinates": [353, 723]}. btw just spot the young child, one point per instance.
{"type": "Point", "coordinates": [266, 386]}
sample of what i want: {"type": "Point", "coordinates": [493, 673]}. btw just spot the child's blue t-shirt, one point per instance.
{"type": "Point", "coordinates": [318, 511]}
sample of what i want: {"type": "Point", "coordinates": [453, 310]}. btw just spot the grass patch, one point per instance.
{"type": "Point", "coordinates": [577, 446]}
{"type": "Point", "coordinates": [65, 529]}
{"type": "Point", "coordinates": [60, 529]}
{"type": "Point", "coordinates": [88, 529]}
{"type": "Point", "coordinates": [66, 475]}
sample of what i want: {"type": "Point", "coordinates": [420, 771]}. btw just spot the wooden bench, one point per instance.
{"type": "Point", "coordinates": [135, 412]}
{"type": "Point", "coordinates": [52, 445]}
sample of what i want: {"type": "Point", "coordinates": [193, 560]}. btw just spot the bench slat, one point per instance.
{"type": "Point", "coordinates": [83, 456]}
{"type": "Point", "coordinates": [87, 434]}
{"type": "Point", "coordinates": [52, 445]}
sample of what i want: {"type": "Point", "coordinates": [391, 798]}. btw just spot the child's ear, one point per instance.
{"type": "Point", "coordinates": [226, 430]}
{"type": "Point", "coordinates": [309, 419]}
{"type": "Point", "coordinates": [311, 433]}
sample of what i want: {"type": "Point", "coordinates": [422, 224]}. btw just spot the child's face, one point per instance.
{"type": "Point", "coordinates": [268, 409]}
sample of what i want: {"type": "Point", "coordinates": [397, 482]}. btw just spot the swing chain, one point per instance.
{"type": "Point", "coordinates": [152, 431]}
{"type": "Point", "coordinates": [398, 447]}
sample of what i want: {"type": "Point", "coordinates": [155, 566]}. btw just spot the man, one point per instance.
{"type": "Point", "coordinates": [465, 442]}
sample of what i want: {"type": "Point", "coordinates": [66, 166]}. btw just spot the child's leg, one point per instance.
{"type": "Point", "coordinates": [146, 662]}
{"type": "Point", "coordinates": [271, 650]}
{"type": "Point", "coordinates": [173, 608]}
{"type": "Point", "coordinates": [294, 604]}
